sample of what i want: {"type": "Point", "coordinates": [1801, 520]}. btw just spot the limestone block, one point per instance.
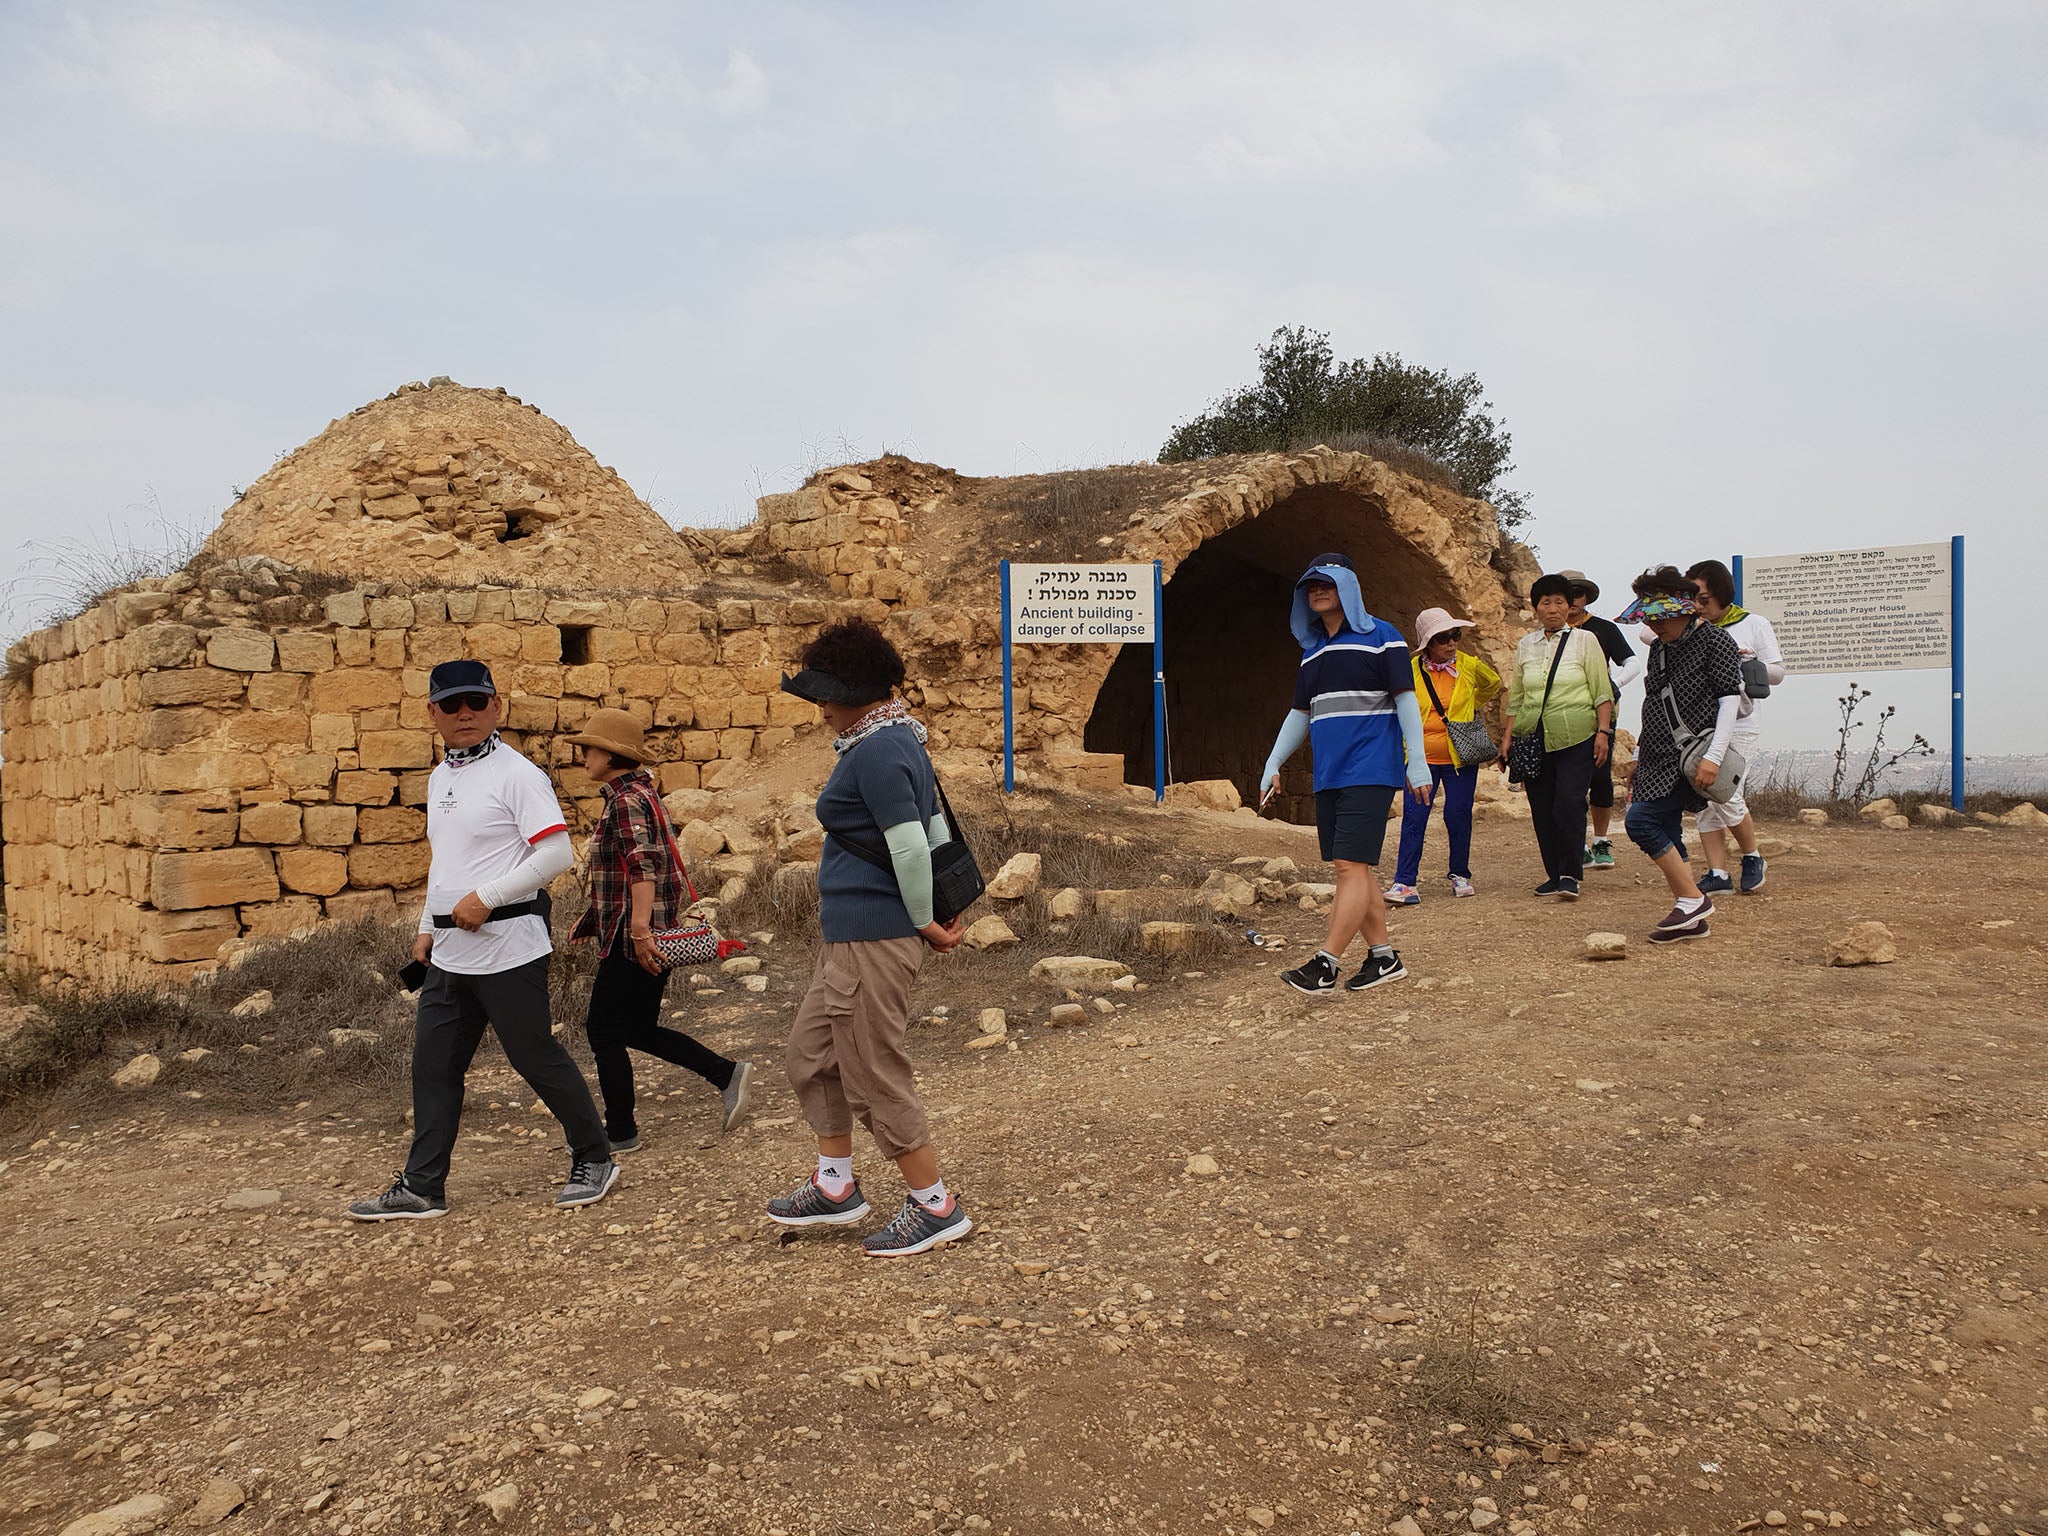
{"type": "Point", "coordinates": [391, 824]}
{"type": "Point", "coordinates": [989, 932]}
{"type": "Point", "coordinates": [614, 645]}
{"type": "Point", "coordinates": [278, 690]}
{"type": "Point", "coordinates": [1017, 878]}
{"type": "Point", "coordinates": [725, 775]}
{"type": "Point", "coordinates": [353, 647]}
{"type": "Point", "coordinates": [749, 711]}
{"type": "Point", "coordinates": [281, 919]}
{"type": "Point", "coordinates": [674, 776]}
{"type": "Point", "coordinates": [387, 864]}
{"type": "Point", "coordinates": [528, 712]}
{"type": "Point", "coordinates": [223, 877]}
{"type": "Point", "coordinates": [307, 771]}
{"type": "Point", "coordinates": [641, 680]}
{"type": "Point", "coordinates": [673, 711]}
{"type": "Point", "coordinates": [1205, 794]}
{"type": "Point", "coordinates": [412, 787]}
{"type": "Point", "coordinates": [331, 733]}
{"type": "Point", "coordinates": [205, 769]}
{"type": "Point", "coordinates": [700, 841]}
{"type": "Point", "coordinates": [395, 749]}
{"type": "Point", "coordinates": [350, 906]}
{"type": "Point", "coordinates": [1170, 938]}
{"type": "Point", "coordinates": [171, 937]}
{"type": "Point", "coordinates": [360, 787]}
{"type": "Point", "coordinates": [1865, 943]}
{"type": "Point", "coordinates": [582, 612]}
{"type": "Point", "coordinates": [300, 652]}
{"type": "Point", "coordinates": [1083, 972]}
{"type": "Point", "coordinates": [329, 826]}
{"type": "Point", "coordinates": [267, 732]}
{"type": "Point", "coordinates": [347, 609]}
{"type": "Point", "coordinates": [590, 681]}
{"type": "Point", "coordinates": [190, 685]}
{"type": "Point", "coordinates": [394, 508]}
{"type": "Point", "coordinates": [1100, 771]}
{"type": "Point", "coordinates": [182, 821]}
{"type": "Point", "coordinates": [279, 823]}
{"type": "Point", "coordinates": [241, 650]}
{"type": "Point", "coordinates": [428, 645]}
{"type": "Point", "coordinates": [391, 613]}
{"type": "Point", "coordinates": [736, 745]}
{"type": "Point", "coordinates": [158, 645]}
{"type": "Point", "coordinates": [387, 649]}
{"type": "Point", "coordinates": [492, 642]}
{"type": "Point", "coordinates": [347, 689]}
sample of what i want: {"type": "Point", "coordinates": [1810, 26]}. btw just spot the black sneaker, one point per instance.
{"type": "Point", "coordinates": [589, 1182]}
{"type": "Point", "coordinates": [399, 1203]}
{"type": "Point", "coordinates": [1377, 968]}
{"type": "Point", "coordinates": [917, 1228]}
{"type": "Point", "coordinates": [734, 1095]}
{"type": "Point", "coordinates": [1316, 974]}
{"type": "Point", "coordinates": [1680, 924]}
{"type": "Point", "coordinates": [809, 1206]}
{"type": "Point", "coordinates": [1549, 887]}
{"type": "Point", "coordinates": [625, 1143]}
{"type": "Point", "coordinates": [1752, 873]}
{"type": "Point", "coordinates": [1567, 888]}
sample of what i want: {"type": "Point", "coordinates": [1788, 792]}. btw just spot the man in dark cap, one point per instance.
{"type": "Point", "coordinates": [498, 838]}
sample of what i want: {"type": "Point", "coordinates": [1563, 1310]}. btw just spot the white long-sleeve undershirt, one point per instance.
{"type": "Point", "coordinates": [551, 856]}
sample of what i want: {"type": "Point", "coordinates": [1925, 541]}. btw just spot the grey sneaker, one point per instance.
{"type": "Point", "coordinates": [809, 1206]}
{"type": "Point", "coordinates": [589, 1182]}
{"type": "Point", "coordinates": [734, 1095]}
{"type": "Point", "coordinates": [917, 1228]}
{"type": "Point", "coordinates": [399, 1203]}
{"type": "Point", "coordinates": [624, 1143]}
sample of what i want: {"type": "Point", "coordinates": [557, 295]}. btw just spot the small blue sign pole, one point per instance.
{"type": "Point", "coordinates": [1735, 570]}
{"type": "Point", "coordinates": [1009, 714]}
{"type": "Point", "coordinates": [1955, 670]}
{"type": "Point", "coordinates": [1160, 683]}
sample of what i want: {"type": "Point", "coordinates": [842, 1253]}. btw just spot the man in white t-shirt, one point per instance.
{"type": "Point", "coordinates": [1754, 637]}
{"type": "Point", "coordinates": [498, 838]}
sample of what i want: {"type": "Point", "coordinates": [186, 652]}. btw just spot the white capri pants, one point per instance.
{"type": "Point", "coordinates": [1729, 814]}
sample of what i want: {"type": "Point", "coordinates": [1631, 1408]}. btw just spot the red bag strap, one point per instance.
{"type": "Point", "coordinates": [661, 819]}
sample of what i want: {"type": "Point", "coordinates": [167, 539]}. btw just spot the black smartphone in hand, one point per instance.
{"type": "Point", "coordinates": [412, 975]}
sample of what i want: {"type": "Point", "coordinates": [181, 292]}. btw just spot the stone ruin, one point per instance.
{"type": "Point", "coordinates": [241, 749]}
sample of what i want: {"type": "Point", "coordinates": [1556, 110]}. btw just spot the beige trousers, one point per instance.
{"type": "Point", "coordinates": [846, 1057]}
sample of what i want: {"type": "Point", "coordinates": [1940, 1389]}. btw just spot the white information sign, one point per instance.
{"type": "Point", "coordinates": [1081, 604]}
{"type": "Point", "coordinates": [1855, 610]}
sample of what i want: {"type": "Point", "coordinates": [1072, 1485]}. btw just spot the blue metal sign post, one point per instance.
{"type": "Point", "coordinates": [1090, 605]}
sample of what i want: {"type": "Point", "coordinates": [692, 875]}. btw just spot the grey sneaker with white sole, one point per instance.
{"type": "Point", "coordinates": [809, 1206]}
{"type": "Point", "coordinates": [589, 1182]}
{"type": "Point", "coordinates": [399, 1203]}
{"type": "Point", "coordinates": [734, 1094]}
{"type": "Point", "coordinates": [917, 1228]}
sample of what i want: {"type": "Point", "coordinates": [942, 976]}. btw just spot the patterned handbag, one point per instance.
{"type": "Point", "coordinates": [1470, 739]}
{"type": "Point", "coordinates": [693, 941]}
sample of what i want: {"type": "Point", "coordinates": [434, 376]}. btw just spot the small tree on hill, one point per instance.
{"type": "Point", "coordinates": [1304, 395]}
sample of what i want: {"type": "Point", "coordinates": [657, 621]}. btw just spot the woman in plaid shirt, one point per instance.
{"type": "Point", "coordinates": [636, 887]}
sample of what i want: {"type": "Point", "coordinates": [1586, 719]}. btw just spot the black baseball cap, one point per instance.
{"type": "Point", "coordinates": [452, 677]}
{"type": "Point", "coordinates": [1332, 558]}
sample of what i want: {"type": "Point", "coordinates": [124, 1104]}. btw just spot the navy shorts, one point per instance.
{"type": "Point", "coordinates": [1352, 821]}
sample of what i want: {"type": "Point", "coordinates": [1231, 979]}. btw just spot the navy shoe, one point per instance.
{"type": "Point", "coordinates": [1713, 883]}
{"type": "Point", "coordinates": [1752, 874]}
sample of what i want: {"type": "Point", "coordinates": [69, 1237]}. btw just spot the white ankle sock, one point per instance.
{"type": "Point", "coordinates": [1721, 872]}
{"type": "Point", "coordinates": [932, 1197]}
{"type": "Point", "coordinates": [834, 1174]}
{"type": "Point", "coordinates": [1691, 904]}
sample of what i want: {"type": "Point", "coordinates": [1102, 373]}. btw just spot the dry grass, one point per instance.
{"type": "Point", "coordinates": [1077, 501]}
{"type": "Point", "coordinates": [1389, 451]}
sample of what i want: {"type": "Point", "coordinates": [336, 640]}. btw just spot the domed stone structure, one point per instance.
{"type": "Point", "coordinates": [449, 486]}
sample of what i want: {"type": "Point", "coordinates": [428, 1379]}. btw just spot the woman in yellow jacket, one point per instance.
{"type": "Point", "coordinates": [1449, 685]}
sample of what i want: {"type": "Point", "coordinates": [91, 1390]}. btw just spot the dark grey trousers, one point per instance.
{"type": "Point", "coordinates": [453, 1012]}
{"type": "Point", "coordinates": [1557, 805]}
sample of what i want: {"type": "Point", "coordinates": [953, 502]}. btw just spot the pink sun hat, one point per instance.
{"type": "Point", "coordinates": [1432, 622]}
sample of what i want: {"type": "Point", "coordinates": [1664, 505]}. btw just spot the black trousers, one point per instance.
{"type": "Point", "coordinates": [453, 1012]}
{"type": "Point", "coordinates": [1557, 804]}
{"type": "Point", "coordinates": [625, 1015]}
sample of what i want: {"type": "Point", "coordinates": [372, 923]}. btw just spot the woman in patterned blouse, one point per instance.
{"type": "Point", "coordinates": [1692, 688]}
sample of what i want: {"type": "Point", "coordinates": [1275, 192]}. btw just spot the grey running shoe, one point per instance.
{"type": "Point", "coordinates": [809, 1206]}
{"type": "Point", "coordinates": [734, 1094]}
{"type": "Point", "coordinates": [589, 1182]}
{"type": "Point", "coordinates": [1377, 968]}
{"type": "Point", "coordinates": [625, 1143]}
{"type": "Point", "coordinates": [917, 1228]}
{"type": "Point", "coordinates": [1317, 974]}
{"type": "Point", "coordinates": [399, 1203]}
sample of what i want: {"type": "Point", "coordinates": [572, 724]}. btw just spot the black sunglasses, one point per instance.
{"type": "Point", "coordinates": [455, 704]}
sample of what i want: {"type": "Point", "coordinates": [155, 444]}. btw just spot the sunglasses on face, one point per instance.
{"type": "Point", "coordinates": [473, 703]}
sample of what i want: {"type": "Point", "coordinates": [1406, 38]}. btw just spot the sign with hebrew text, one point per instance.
{"type": "Point", "coordinates": [1081, 604]}
{"type": "Point", "coordinates": [1886, 609]}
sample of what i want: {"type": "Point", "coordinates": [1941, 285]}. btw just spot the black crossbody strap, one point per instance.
{"type": "Point", "coordinates": [1439, 703]}
{"type": "Point", "coordinates": [1563, 641]}
{"type": "Point", "coordinates": [879, 857]}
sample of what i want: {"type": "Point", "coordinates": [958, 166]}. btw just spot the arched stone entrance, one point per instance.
{"type": "Point", "coordinates": [1230, 657]}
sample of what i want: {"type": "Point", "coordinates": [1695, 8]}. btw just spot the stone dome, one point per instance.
{"type": "Point", "coordinates": [450, 486]}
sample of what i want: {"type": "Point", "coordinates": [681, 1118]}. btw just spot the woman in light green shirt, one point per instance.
{"type": "Point", "coordinates": [1577, 722]}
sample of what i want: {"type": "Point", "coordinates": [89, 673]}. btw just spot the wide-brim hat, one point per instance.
{"type": "Point", "coordinates": [815, 687]}
{"type": "Point", "coordinates": [1432, 622]}
{"type": "Point", "coordinates": [616, 732]}
{"type": "Point", "coordinates": [1583, 583]}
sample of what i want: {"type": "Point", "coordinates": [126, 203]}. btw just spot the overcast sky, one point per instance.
{"type": "Point", "coordinates": [1738, 276]}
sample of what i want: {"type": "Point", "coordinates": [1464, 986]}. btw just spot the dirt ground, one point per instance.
{"type": "Point", "coordinates": [1690, 1242]}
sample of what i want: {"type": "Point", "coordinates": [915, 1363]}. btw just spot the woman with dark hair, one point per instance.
{"type": "Point", "coordinates": [1560, 686]}
{"type": "Point", "coordinates": [1692, 687]}
{"type": "Point", "coordinates": [846, 1055]}
{"type": "Point", "coordinates": [1757, 643]}
{"type": "Point", "coordinates": [636, 888]}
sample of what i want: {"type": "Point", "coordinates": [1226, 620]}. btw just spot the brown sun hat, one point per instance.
{"type": "Point", "coordinates": [615, 731]}
{"type": "Point", "coordinates": [1584, 583]}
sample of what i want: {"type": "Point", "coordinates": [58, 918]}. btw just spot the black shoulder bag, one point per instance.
{"type": "Point", "coordinates": [1525, 752]}
{"type": "Point", "coordinates": [956, 877]}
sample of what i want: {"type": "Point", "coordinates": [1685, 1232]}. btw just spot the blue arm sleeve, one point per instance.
{"type": "Point", "coordinates": [1409, 713]}
{"type": "Point", "coordinates": [1293, 732]}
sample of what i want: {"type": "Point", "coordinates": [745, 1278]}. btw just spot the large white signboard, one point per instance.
{"type": "Point", "coordinates": [1855, 610]}
{"type": "Point", "coordinates": [1081, 604]}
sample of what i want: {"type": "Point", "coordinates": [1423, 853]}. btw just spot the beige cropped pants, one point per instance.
{"type": "Point", "coordinates": [846, 1057]}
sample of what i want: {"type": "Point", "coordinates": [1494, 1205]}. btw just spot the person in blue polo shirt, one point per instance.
{"type": "Point", "coordinates": [1354, 703]}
